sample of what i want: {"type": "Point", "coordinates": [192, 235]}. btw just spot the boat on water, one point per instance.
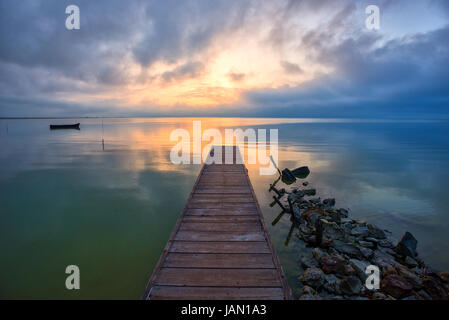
{"type": "Point", "coordinates": [65, 126]}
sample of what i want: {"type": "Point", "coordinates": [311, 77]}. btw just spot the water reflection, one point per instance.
{"type": "Point", "coordinates": [106, 197]}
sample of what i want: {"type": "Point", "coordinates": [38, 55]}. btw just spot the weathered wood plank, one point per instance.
{"type": "Point", "coordinates": [201, 198]}
{"type": "Point", "coordinates": [220, 219]}
{"type": "Point", "coordinates": [221, 212]}
{"type": "Point", "coordinates": [219, 236]}
{"type": "Point", "coordinates": [214, 260]}
{"type": "Point", "coordinates": [222, 197]}
{"type": "Point", "coordinates": [220, 247]}
{"type": "Point", "coordinates": [222, 205]}
{"type": "Point", "coordinates": [224, 226]}
{"type": "Point", "coordinates": [210, 293]}
{"type": "Point", "coordinates": [218, 277]}
{"type": "Point", "coordinates": [223, 189]}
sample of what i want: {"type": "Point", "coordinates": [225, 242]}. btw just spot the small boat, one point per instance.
{"type": "Point", "coordinates": [65, 126]}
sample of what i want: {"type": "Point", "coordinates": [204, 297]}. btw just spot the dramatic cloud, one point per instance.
{"type": "Point", "coordinates": [191, 69]}
{"type": "Point", "coordinates": [291, 67]}
{"type": "Point", "coordinates": [237, 76]}
{"type": "Point", "coordinates": [235, 57]}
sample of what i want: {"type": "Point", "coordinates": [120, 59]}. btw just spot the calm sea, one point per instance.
{"type": "Point", "coordinates": [67, 198]}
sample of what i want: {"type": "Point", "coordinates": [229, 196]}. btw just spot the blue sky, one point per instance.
{"type": "Point", "coordinates": [287, 58]}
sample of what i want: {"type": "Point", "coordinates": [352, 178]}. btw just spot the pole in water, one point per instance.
{"type": "Point", "coordinates": [275, 165]}
{"type": "Point", "coordinates": [102, 134]}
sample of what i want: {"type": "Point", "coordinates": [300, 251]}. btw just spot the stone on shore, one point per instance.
{"type": "Point", "coordinates": [396, 286]}
{"type": "Point", "coordinates": [407, 245]}
{"type": "Point", "coordinates": [310, 297]}
{"type": "Point", "coordinates": [288, 177]}
{"type": "Point", "coordinates": [410, 262]}
{"type": "Point", "coordinates": [301, 172]}
{"type": "Point", "coordinates": [434, 288]}
{"type": "Point", "coordinates": [308, 262]}
{"type": "Point", "coordinates": [347, 248]}
{"type": "Point", "coordinates": [410, 277]}
{"type": "Point", "coordinates": [333, 264]}
{"type": "Point", "coordinates": [351, 285]}
{"type": "Point", "coordinates": [445, 276]}
{"type": "Point", "coordinates": [375, 232]}
{"type": "Point", "coordinates": [313, 277]}
{"type": "Point", "coordinates": [360, 267]}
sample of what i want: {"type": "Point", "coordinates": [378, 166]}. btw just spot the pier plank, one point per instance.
{"type": "Point", "coordinates": [220, 247]}
{"type": "Point", "coordinates": [210, 293]}
{"type": "Point", "coordinates": [206, 277]}
{"type": "Point", "coordinates": [219, 260]}
{"type": "Point", "coordinates": [254, 247]}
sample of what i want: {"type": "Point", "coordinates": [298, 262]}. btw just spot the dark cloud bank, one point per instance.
{"type": "Point", "coordinates": [40, 61]}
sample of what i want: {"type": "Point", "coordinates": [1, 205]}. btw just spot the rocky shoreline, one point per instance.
{"type": "Point", "coordinates": [342, 249]}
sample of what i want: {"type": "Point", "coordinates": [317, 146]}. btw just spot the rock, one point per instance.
{"type": "Point", "coordinates": [360, 298]}
{"type": "Point", "coordinates": [343, 212]}
{"type": "Point", "coordinates": [434, 288]}
{"type": "Point", "coordinates": [349, 270]}
{"type": "Point", "coordinates": [396, 286]}
{"type": "Point", "coordinates": [318, 254]}
{"type": "Point", "coordinates": [385, 243]}
{"type": "Point", "coordinates": [383, 260]}
{"type": "Point", "coordinates": [313, 277]}
{"type": "Point", "coordinates": [301, 172]}
{"type": "Point", "coordinates": [347, 249]}
{"type": "Point", "coordinates": [414, 280]}
{"type": "Point", "coordinates": [367, 253]}
{"type": "Point", "coordinates": [360, 267]}
{"type": "Point", "coordinates": [307, 290]}
{"type": "Point", "coordinates": [296, 213]}
{"type": "Point", "coordinates": [350, 285]}
{"type": "Point", "coordinates": [375, 232]}
{"type": "Point", "coordinates": [389, 271]}
{"type": "Point", "coordinates": [332, 230]}
{"type": "Point", "coordinates": [410, 262]}
{"type": "Point", "coordinates": [288, 177]}
{"type": "Point", "coordinates": [332, 284]}
{"type": "Point", "coordinates": [305, 230]}
{"type": "Point", "coordinates": [333, 264]}
{"type": "Point", "coordinates": [445, 276]}
{"type": "Point", "coordinates": [308, 262]}
{"type": "Point", "coordinates": [424, 295]}
{"type": "Point", "coordinates": [360, 231]}
{"type": "Point", "coordinates": [412, 297]}
{"type": "Point", "coordinates": [312, 215]}
{"type": "Point", "coordinates": [379, 296]}
{"type": "Point", "coordinates": [329, 202]}
{"type": "Point", "coordinates": [346, 220]}
{"type": "Point", "coordinates": [429, 271]}
{"type": "Point", "coordinates": [407, 245]}
{"type": "Point", "coordinates": [310, 297]}
{"type": "Point", "coordinates": [367, 244]}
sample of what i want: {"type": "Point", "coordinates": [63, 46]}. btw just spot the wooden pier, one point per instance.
{"type": "Point", "coordinates": [220, 247]}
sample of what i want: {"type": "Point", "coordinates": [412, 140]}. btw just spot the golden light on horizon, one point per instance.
{"type": "Point", "coordinates": [231, 66]}
{"type": "Point", "coordinates": [219, 75]}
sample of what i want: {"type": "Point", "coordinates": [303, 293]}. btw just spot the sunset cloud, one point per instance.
{"type": "Point", "coordinates": [233, 57]}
